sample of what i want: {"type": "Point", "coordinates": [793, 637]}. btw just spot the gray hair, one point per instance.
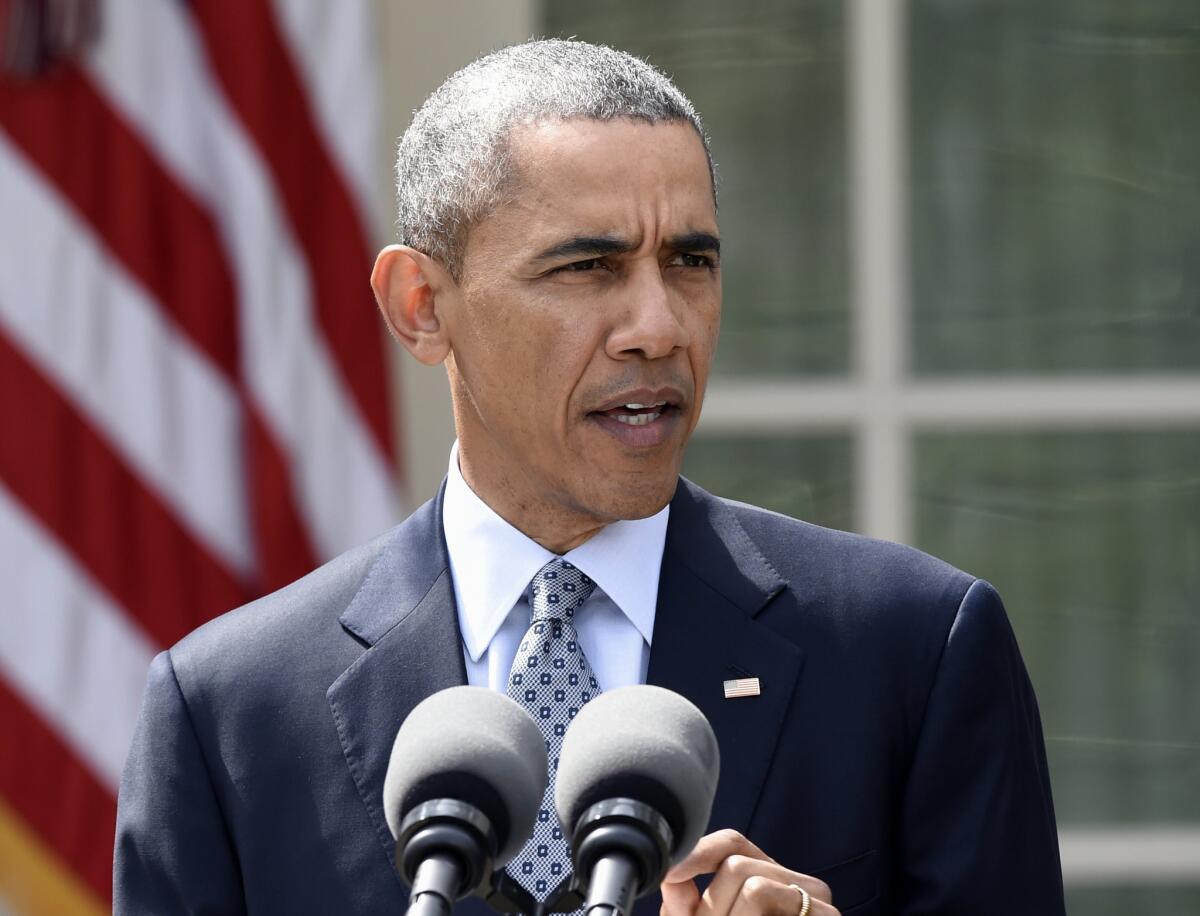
{"type": "Point", "coordinates": [454, 164]}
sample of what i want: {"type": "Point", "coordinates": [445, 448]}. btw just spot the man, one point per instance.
{"type": "Point", "coordinates": [560, 255]}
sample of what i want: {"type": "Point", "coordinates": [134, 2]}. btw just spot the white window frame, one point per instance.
{"type": "Point", "coordinates": [883, 407]}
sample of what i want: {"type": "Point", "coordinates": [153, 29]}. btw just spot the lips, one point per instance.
{"type": "Point", "coordinates": [635, 414]}
{"type": "Point", "coordinates": [640, 417]}
{"type": "Point", "coordinates": [641, 401]}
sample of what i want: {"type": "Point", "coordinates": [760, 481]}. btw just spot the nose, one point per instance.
{"type": "Point", "coordinates": [649, 325]}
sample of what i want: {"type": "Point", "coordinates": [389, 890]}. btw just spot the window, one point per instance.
{"type": "Point", "coordinates": [963, 310]}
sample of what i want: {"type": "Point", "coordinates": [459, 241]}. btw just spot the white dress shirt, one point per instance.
{"type": "Point", "coordinates": [492, 564]}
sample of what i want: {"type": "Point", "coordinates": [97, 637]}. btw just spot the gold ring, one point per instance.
{"type": "Point", "coordinates": [805, 900]}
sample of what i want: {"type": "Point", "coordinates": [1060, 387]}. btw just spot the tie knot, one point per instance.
{"type": "Point", "coordinates": [557, 590]}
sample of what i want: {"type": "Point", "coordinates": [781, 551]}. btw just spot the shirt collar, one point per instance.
{"type": "Point", "coordinates": [492, 562]}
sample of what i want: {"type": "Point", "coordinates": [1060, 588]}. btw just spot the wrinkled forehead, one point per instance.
{"type": "Point", "coordinates": [636, 185]}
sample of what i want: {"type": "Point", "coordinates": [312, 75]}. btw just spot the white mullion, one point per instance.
{"type": "Point", "coordinates": [1134, 854]}
{"type": "Point", "coordinates": [876, 69]}
{"type": "Point", "coordinates": [1113, 401]}
{"type": "Point", "coordinates": [782, 407]}
{"type": "Point", "coordinates": [791, 406]}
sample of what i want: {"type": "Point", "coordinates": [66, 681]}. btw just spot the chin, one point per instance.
{"type": "Point", "coordinates": [633, 501]}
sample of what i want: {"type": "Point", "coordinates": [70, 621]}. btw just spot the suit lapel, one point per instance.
{"type": "Point", "coordinates": [714, 582]}
{"type": "Point", "coordinates": [405, 614]}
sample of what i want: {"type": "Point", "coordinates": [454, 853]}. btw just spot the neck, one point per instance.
{"type": "Point", "coordinates": [554, 527]}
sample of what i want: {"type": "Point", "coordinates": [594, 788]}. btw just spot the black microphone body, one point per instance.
{"type": "Point", "coordinates": [462, 790]}
{"type": "Point", "coordinates": [613, 886]}
{"type": "Point", "coordinates": [435, 886]}
{"type": "Point", "coordinates": [622, 848]}
{"type": "Point", "coordinates": [444, 850]}
{"type": "Point", "coordinates": [634, 789]}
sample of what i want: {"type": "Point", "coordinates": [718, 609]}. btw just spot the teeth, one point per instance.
{"type": "Point", "coordinates": [640, 419]}
{"type": "Point", "coordinates": [644, 406]}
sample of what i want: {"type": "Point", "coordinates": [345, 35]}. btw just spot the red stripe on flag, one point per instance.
{"type": "Point", "coordinates": [284, 551]}
{"type": "Point", "coordinates": [99, 164]}
{"type": "Point", "coordinates": [55, 794]}
{"type": "Point", "coordinates": [64, 472]}
{"type": "Point", "coordinates": [260, 80]}
{"type": "Point", "coordinates": [167, 240]}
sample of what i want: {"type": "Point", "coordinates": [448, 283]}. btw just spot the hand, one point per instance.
{"type": "Point", "coordinates": [746, 882]}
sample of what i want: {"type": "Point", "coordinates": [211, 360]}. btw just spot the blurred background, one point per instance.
{"type": "Point", "coordinates": [962, 286]}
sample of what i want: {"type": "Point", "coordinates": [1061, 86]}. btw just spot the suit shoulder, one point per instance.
{"type": "Point", "coordinates": [819, 559]}
{"type": "Point", "coordinates": [299, 615]}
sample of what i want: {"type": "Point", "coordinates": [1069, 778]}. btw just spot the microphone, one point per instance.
{"type": "Point", "coordinates": [634, 790]}
{"type": "Point", "coordinates": [462, 790]}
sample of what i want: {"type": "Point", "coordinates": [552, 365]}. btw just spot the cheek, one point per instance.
{"type": "Point", "coordinates": [534, 363]}
{"type": "Point", "coordinates": [561, 335]}
{"type": "Point", "coordinates": [704, 323]}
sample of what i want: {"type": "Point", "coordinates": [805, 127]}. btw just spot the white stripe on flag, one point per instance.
{"type": "Point", "coordinates": [111, 350]}
{"type": "Point", "coordinates": [336, 53]}
{"type": "Point", "coordinates": [75, 657]}
{"type": "Point", "coordinates": [151, 65]}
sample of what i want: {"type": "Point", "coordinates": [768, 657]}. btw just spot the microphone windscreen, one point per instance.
{"type": "Point", "coordinates": [644, 743]}
{"type": "Point", "coordinates": [473, 745]}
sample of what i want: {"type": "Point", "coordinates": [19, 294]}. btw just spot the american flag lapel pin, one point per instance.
{"type": "Point", "coordinates": [742, 687]}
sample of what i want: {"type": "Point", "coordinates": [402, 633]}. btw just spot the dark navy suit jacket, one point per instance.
{"type": "Point", "coordinates": [895, 750]}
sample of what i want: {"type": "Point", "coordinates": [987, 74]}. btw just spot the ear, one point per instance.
{"type": "Point", "coordinates": [408, 286]}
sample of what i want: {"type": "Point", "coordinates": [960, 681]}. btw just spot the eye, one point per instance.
{"type": "Point", "coordinates": [688, 259]}
{"type": "Point", "coordinates": [580, 266]}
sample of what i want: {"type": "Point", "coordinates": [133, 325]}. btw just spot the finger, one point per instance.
{"type": "Point", "coordinates": [731, 877]}
{"type": "Point", "coordinates": [762, 896]}
{"type": "Point", "coordinates": [710, 852]}
{"type": "Point", "coordinates": [680, 898]}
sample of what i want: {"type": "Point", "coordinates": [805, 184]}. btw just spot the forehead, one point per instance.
{"type": "Point", "coordinates": [613, 147]}
{"type": "Point", "coordinates": [619, 176]}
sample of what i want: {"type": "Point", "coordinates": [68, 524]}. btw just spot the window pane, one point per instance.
{"type": "Point", "coordinates": [1093, 539]}
{"type": "Point", "coordinates": [806, 477]}
{"type": "Point", "coordinates": [1055, 200]}
{"type": "Point", "coordinates": [767, 79]}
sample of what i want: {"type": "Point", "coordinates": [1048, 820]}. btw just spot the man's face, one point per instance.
{"type": "Point", "coordinates": [585, 321]}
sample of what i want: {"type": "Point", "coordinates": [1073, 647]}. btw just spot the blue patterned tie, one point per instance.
{"type": "Point", "coordinates": [552, 679]}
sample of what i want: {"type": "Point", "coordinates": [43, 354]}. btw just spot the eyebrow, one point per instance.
{"type": "Point", "coordinates": [595, 246]}
{"type": "Point", "coordinates": [695, 241]}
{"type": "Point", "coordinates": [587, 245]}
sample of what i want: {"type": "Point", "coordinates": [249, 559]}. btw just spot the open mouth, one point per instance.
{"type": "Point", "coordinates": [642, 418]}
{"type": "Point", "coordinates": [634, 414]}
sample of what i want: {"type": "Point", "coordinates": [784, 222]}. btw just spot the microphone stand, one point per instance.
{"type": "Point", "coordinates": [444, 846]}
{"type": "Point", "coordinates": [621, 847]}
{"type": "Point", "coordinates": [505, 895]}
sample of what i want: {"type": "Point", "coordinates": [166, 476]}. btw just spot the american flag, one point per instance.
{"type": "Point", "coordinates": [192, 379]}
